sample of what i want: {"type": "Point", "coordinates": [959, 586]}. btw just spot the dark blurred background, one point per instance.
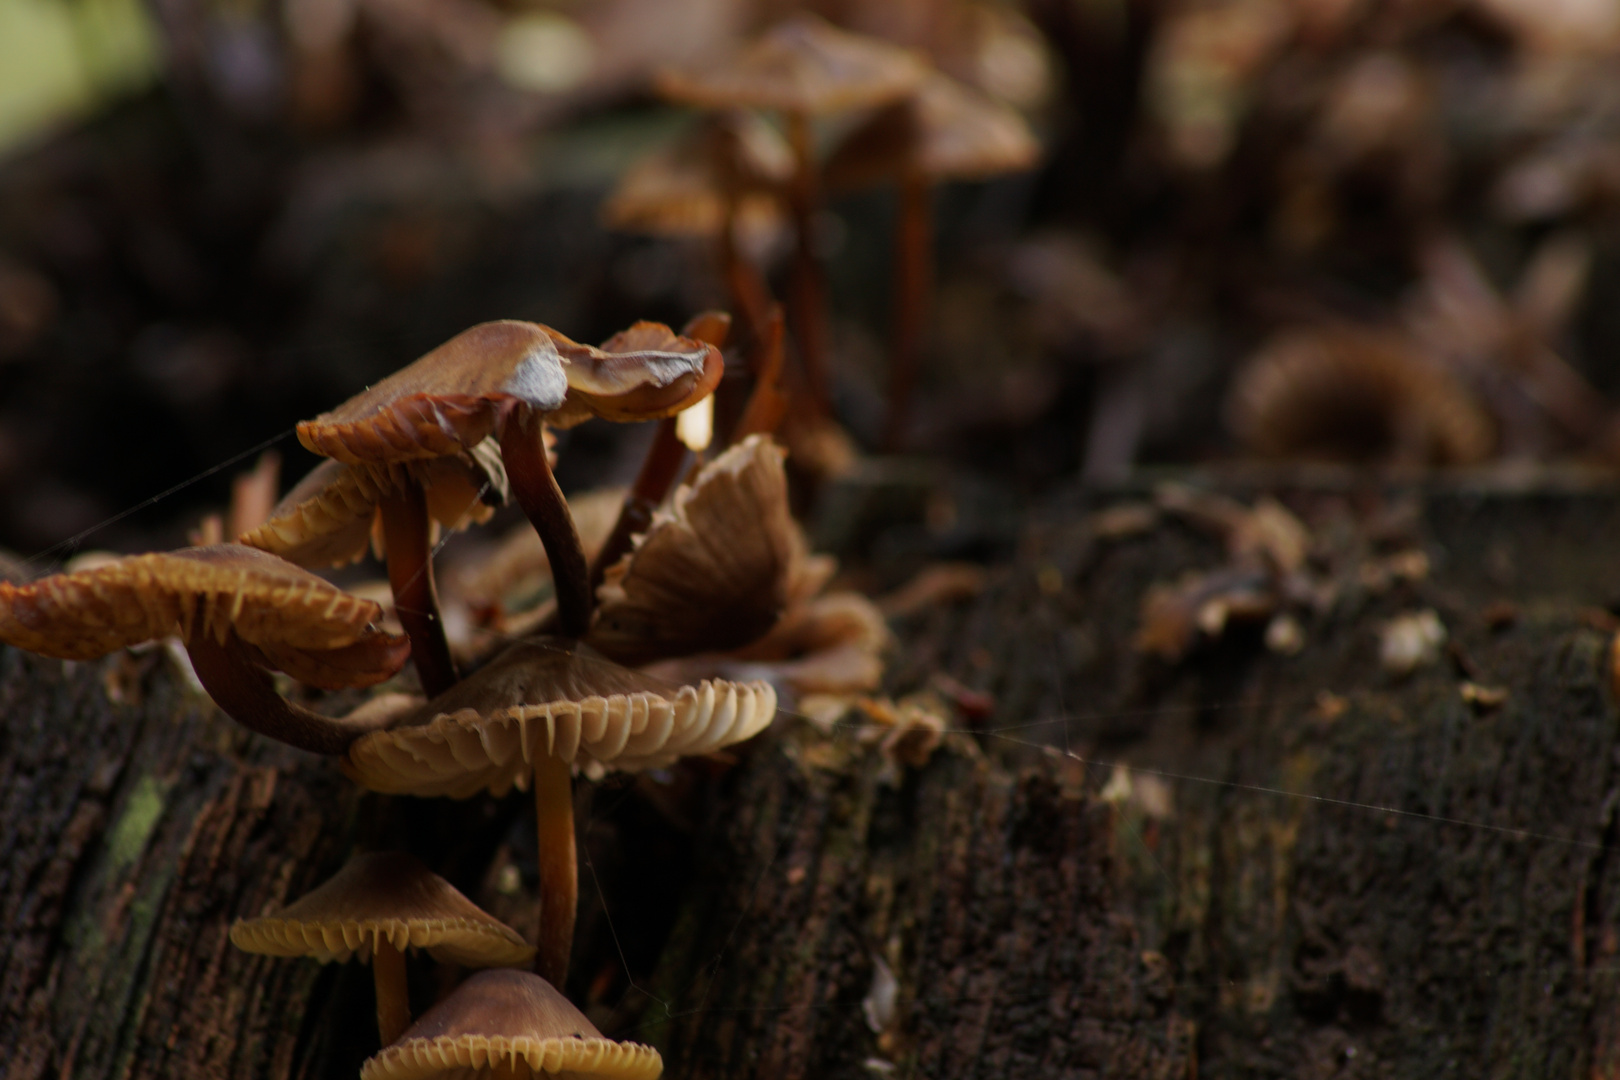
{"type": "Point", "coordinates": [1379, 232]}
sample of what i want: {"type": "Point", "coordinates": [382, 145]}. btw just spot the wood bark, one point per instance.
{"type": "Point", "coordinates": [1356, 875]}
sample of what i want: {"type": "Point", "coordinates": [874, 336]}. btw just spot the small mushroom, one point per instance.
{"type": "Point", "coordinates": [660, 467]}
{"type": "Point", "coordinates": [375, 908]}
{"type": "Point", "coordinates": [1353, 395]}
{"type": "Point", "coordinates": [513, 1026]}
{"type": "Point", "coordinates": [537, 709]}
{"type": "Point", "coordinates": [239, 611]}
{"type": "Point", "coordinates": [803, 67]}
{"type": "Point", "coordinates": [726, 175]}
{"type": "Point", "coordinates": [509, 379]}
{"type": "Point", "coordinates": [942, 131]}
{"type": "Point", "coordinates": [328, 518]}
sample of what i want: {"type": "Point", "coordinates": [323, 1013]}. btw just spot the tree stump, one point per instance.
{"type": "Point", "coordinates": [1237, 863]}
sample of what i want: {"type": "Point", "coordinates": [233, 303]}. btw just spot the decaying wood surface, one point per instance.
{"type": "Point", "coordinates": [1318, 868]}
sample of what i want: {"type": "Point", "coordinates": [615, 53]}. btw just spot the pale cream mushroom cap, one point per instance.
{"type": "Point", "coordinates": [540, 698]}
{"type": "Point", "coordinates": [384, 896]}
{"type": "Point", "coordinates": [514, 1026]}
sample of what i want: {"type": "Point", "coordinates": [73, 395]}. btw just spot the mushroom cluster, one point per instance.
{"type": "Point", "coordinates": [921, 128]}
{"type": "Point", "coordinates": [439, 445]}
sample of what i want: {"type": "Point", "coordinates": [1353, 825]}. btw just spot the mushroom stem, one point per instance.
{"type": "Point", "coordinates": [808, 303]}
{"type": "Point", "coordinates": [393, 1002]}
{"type": "Point", "coordinates": [523, 450]}
{"type": "Point", "coordinates": [245, 692]}
{"type": "Point", "coordinates": [743, 279]}
{"type": "Point", "coordinates": [765, 406]}
{"type": "Point", "coordinates": [559, 868]}
{"type": "Point", "coordinates": [410, 575]}
{"type": "Point", "coordinates": [913, 273]}
{"type": "Point", "coordinates": [658, 472]}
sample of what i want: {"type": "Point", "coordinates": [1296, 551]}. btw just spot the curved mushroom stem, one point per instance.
{"type": "Point", "coordinates": [393, 1002]}
{"type": "Point", "coordinates": [523, 450]}
{"type": "Point", "coordinates": [912, 282]}
{"type": "Point", "coordinates": [808, 304]}
{"type": "Point", "coordinates": [245, 692]}
{"type": "Point", "coordinates": [559, 868]}
{"type": "Point", "coordinates": [410, 575]}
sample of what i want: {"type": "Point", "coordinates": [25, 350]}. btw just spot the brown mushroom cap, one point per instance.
{"type": "Point", "coordinates": [384, 897]}
{"type": "Point", "coordinates": [451, 399]}
{"type": "Point", "coordinates": [944, 130]}
{"type": "Point", "coordinates": [682, 189]}
{"type": "Point", "coordinates": [542, 697]}
{"type": "Point", "coordinates": [295, 621]}
{"type": "Point", "coordinates": [1344, 393]}
{"type": "Point", "coordinates": [647, 372]}
{"type": "Point", "coordinates": [513, 1025]}
{"type": "Point", "coordinates": [714, 571]}
{"type": "Point", "coordinates": [802, 64]}
{"type": "Point", "coordinates": [329, 517]}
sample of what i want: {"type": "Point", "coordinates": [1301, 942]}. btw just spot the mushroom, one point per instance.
{"type": "Point", "coordinates": [803, 67]}
{"type": "Point", "coordinates": [376, 907]}
{"type": "Point", "coordinates": [540, 707]}
{"type": "Point", "coordinates": [328, 518]}
{"type": "Point", "coordinates": [660, 467]}
{"type": "Point", "coordinates": [943, 131]}
{"type": "Point", "coordinates": [513, 1026]}
{"type": "Point", "coordinates": [509, 379]}
{"type": "Point", "coordinates": [1349, 394]}
{"type": "Point", "coordinates": [711, 572]}
{"type": "Point", "coordinates": [724, 175]}
{"type": "Point", "coordinates": [239, 612]}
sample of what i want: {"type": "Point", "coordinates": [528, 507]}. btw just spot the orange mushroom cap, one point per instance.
{"type": "Point", "coordinates": [451, 399]}
{"type": "Point", "coordinates": [295, 621]}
